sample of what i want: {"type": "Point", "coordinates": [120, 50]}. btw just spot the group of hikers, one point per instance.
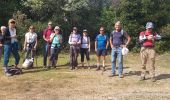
{"type": "Point", "coordinates": [119, 39]}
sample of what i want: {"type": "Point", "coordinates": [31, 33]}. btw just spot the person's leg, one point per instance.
{"type": "Point", "coordinates": [0, 53]}
{"type": "Point", "coordinates": [7, 50]}
{"type": "Point", "coordinates": [99, 53]}
{"type": "Point", "coordinates": [82, 56]}
{"type": "Point", "coordinates": [144, 56]}
{"type": "Point", "coordinates": [151, 57]}
{"type": "Point", "coordinates": [120, 61]}
{"type": "Point", "coordinates": [14, 50]}
{"type": "Point", "coordinates": [71, 57]}
{"type": "Point", "coordinates": [113, 60]}
{"type": "Point", "coordinates": [57, 54]}
{"type": "Point", "coordinates": [27, 53]}
{"type": "Point", "coordinates": [55, 57]}
{"type": "Point", "coordinates": [76, 50]}
{"type": "Point", "coordinates": [46, 54]}
{"type": "Point", "coordinates": [104, 54]}
{"type": "Point", "coordinates": [51, 58]}
{"type": "Point", "coordinates": [87, 57]}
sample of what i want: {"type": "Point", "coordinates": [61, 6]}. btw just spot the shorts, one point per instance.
{"type": "Point", "coordinates": [102, 52]}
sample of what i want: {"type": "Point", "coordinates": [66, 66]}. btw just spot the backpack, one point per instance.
{"type": "Point", "coordinates": [123, 36]}
{"type": "Point", "coordinates": [15, 71]}
{"type": "Point", "coordinates": [28, 63]}
{"type": "Point", "coordinates": [88, 38]}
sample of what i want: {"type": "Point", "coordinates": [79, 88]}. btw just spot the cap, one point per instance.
{"type": "Point", "coordinates": [57, 28]}
{"type": "Point", "coordinates": [3, 27]}
{"type": "Point", "coordinates": [84, 30]}
{"type": "Point", "coordinates": [149, 25]}
{"type": "Point", "coordinates": [50, 23]}
{"type": "Point", "coordinates": [74, 28]}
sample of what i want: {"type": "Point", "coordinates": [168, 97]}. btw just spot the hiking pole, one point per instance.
{"type": "Point", "coordinates": [36, 58]}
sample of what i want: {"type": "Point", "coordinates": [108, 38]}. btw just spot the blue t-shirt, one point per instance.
{"type": "Point", "coordinates": [101, 41]}
{"type": "Point", "coordinates": [56, 41]}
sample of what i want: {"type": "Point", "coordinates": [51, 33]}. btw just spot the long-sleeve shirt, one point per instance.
{"type": "Point", "coordinates": [74, 38]}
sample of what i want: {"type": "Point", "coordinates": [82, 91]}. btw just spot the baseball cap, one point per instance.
{"type": "Point", "coordinates": [149, 25]}
{"type": "Point", "coordinates": [57, 28]}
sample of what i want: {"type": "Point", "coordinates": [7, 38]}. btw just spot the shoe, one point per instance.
{"type": "Point", "coordinates": [104, 69]}
{"type": "Point", "coordinates": [142, 78]}
{"type": "Point", "coordinates": [71, 68]}
{"type": "Point", "coordinates": [153, 79]}
{"type": "Point", "coordinates": [8, 74]}
{"type": "Point", "coordinates": [98, 68]}
{"type": "Point", "coordinates": [121, 76]}
{"type": "Point", "coordinates": [112, 75]}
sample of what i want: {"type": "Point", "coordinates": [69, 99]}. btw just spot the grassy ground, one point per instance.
{"type": "Point", "coordinates": [85, 84]}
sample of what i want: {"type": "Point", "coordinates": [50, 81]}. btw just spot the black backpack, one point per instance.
{"type": "Point", "coordinates": [15, 71]}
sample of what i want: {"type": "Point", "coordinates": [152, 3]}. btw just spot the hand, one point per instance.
{"type": "Point", "coordinates": [111, 46]}
{"type": "Point", "coordinates": [89, 50]}
{"type": "Point", "coordinates": [96, 49]}
{"type": "Point", "coordinates": [150, 37]}
{"type": "Point", "coordinates": [124, 46]}
{"type": "Point", "coordinates": [14, 36]}
{"type": "Point", "coordinates": [1, 45]}
{"type": "Point", "coordinates": [34, 48]}
{"type": "Point", "coordinates": [24, 49]}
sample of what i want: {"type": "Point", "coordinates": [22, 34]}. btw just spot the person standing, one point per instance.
{"type": "Point", "coordinates": [101, 45]}
{"type": "Point", "coordinates": [147, 39]}
{"type": "Point", "coordinates": [56, 40]}
{"type": "Point", "coordinates": [75, 42]}
{"type": "Point", "coordinates": [117, 43]}
{"type": "Point", "coordinates": [85, 48]}
{"type": "Point", "coordinates": [3, 28]}
{"type": "Point", "coordinates": [10, 45]}
{"type": "Point", "coordinates": [30, 43]}
{"type": "Point", "coordinates": [46, 36]}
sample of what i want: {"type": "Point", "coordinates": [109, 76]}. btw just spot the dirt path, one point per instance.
{"type": "Point", "coordinates": [85, 84]}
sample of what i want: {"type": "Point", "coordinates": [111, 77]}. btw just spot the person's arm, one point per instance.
{"type": "Point", "coordinates": [79, 40]}
{"type": "Point", "coordinates": [25, 43]}
{"type": "Point", "coordinates": [44, 32]}
{"type": "Point", "coordinates": [36, 42]}
{"type": "Point", "coordinates": [52, 37]}
{"type": "Point", "coordinates": [107, 44]}
{"type": "Point", "coordinates": [61, 39]}
{"type": "Point", "coordinates": [89, 43]}
{"type": "Point", "coordinates": [96, 44]}
{"type": "Point", "coordinates": [69, 41]}
{"type": "Point", "coordinates": [128, 39]}
{"type": "Point", "coordinates": [111, 40]}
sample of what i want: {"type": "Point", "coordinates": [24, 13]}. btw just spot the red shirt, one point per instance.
{"type": "Point", "coordinates": [47, 32]}
{"type": "Point", "coordinates": [148, 43]}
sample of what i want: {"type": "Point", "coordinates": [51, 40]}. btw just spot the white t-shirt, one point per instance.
{"type": "Point", "coordinates": [85, 42]}
{"type": "Point", "coordinates": [30, 37]}
{"type": "Point", "coordinates": [13, 33]}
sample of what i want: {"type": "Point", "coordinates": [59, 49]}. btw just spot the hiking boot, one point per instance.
{"type": "Point", "coordinates": [121, 76]}
{"type": "Point", "coordinates": [153, 79]}
{"type": "Point", "coordinates": [8, 74]}
{"type": "Point", "coordinates": [142, 78]}
{"type": "Point", "coordinates": [72, 68]}
{"type": "Point", "coordinates": [98, 68]}
{"type": "Point", "coordinates": [112, 75]}
{"type": "Point", "coordinates": [104, 69]}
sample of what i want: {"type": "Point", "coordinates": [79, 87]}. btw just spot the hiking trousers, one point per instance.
{"type": "Point", "coordinates": [148, 55]}
{"type": "Point", "coordinates": [74, 50]}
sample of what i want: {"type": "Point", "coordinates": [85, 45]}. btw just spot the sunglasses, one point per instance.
{"type": "Point", "coordinates": [101, 30]}
{"type": "Point", "coordinates": [31, 28]}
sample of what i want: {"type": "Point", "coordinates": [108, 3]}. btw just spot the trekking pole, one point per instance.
{"type": "Point", "coordinates": [36, 58]}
